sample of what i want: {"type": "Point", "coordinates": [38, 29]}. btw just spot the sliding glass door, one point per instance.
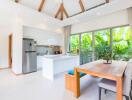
{"type": "Point", "coordinates": [86, 48]}
{"type": "Point", "coordinates": [88, 44]}
{"type": "Point", "coordinates": [122, 43]}
{"type": "Point", "coordinates": [101, 40]}
{"type": "Point", "coordinates": [74, 44]}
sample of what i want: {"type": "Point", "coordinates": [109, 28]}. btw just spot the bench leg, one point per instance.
{"type": "Point", "coordinates": [69, 82]}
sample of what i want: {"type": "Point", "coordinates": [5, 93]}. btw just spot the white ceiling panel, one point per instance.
{"type": "Point", "coordinates": [51, 7]}
{"type": "Point", "coordinates": [34, 4]}
{"type": "Point", "coordinates": [72, 6]}
{"type": "Point", "coordinates": [92, 3]}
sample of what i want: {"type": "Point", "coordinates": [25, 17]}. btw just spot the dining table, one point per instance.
{"type": "Point", "coordinates": [113, 71]}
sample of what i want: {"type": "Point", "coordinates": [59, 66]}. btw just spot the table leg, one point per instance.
{"type": "Point", "coordinates": [77, 83]}
{"type": "Point", "coordinates": [119, 89]}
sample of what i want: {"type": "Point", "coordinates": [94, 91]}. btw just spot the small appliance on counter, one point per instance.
{"type": "Point", "coordinates": [48, 50]}
{"type": "Point", "coordinates": [29, 63]}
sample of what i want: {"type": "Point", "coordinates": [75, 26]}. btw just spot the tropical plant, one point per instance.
{"type": "Point", "coordinates": [86, 41]}
{"type": "Point", "coordinates": [86, 48]}
{"type": "Point", "coordinates": [74, 44]}
{"type": "Point", "coordinates": [104, 52]}
{"type": "Point", "coordinates": [122, 43]}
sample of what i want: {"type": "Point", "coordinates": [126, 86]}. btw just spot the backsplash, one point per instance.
{"type": "Point", "coordinates": [48, 50]}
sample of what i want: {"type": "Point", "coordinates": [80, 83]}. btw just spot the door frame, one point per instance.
{"type": "Point", "coordinates": [10, 50]}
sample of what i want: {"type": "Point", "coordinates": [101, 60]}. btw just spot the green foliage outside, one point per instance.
{"type": "Point", "coordinates": [86, 41]}
{"type": "Point", "coordinates": [74, 44]}
{"type": "Point", "coordinates": [104, 52]}
{"type": "Point", "coordinates": [86, 48]}
{"type": "Point", "coordinates": [121, 44]}
{"type": "Point", "coordinates": [102, 37]}
{"type": "Point", "coordinates": [102, 41]}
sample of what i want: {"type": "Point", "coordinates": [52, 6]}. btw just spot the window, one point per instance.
{"type": "Point", "coordinates": [74, 44]}
{"type": "Point", "coordinates": [119, 39]}
{"type": "Point", "coordinates": [86, 48]}
{"type": "Point", "coordinates": [122, 43]}
{"type": "Point", "coordinates": [102, 39]}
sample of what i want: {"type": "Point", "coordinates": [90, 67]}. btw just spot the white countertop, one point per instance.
{"type": "Point", "coordinates": [57, 57]}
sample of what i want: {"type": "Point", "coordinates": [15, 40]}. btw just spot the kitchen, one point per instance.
{"type": "Point", "coordinates": [49, 54]}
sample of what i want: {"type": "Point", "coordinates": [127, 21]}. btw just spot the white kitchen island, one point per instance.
{"type": "Point", "coordinates": [55, 64]}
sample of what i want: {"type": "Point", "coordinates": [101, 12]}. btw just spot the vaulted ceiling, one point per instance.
{"type": "Point", "coordinates": [62, 9]}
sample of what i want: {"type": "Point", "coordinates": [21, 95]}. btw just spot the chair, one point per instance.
{"type": "Point", "coordinates": [111, 85]}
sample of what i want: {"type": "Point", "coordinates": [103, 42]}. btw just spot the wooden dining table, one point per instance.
{"type": "Point", "coordinates": [113, 71]}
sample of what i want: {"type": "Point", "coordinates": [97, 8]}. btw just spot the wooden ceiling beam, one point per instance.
{"type": "Point", "coordinates": [81, 5]}
{"type": "Point", "coordinates": [17, 1]}
{"type": "Point", "coordinates": [62, 9]}
{"type": "Point", "coordinates": [107, 1]}
{"type": "Point", "coordinates": [59, 10]}
{"type": "Point", "coordinates": [41, 5]}
{"type": "Point", "coordinates": [65, 12]}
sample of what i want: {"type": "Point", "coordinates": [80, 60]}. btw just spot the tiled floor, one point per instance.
{"type": "Point", "coordinates": [35, 87]}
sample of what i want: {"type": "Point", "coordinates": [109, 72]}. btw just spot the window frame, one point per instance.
{"type": "Point", "coordinates": [93, 36]}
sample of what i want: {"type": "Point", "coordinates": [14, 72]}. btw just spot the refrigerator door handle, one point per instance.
{"type": "Point", "coordinates": [29, 51]}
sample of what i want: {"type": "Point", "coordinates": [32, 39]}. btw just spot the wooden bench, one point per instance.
{"type": "Point", "coordinates": [70, 80]}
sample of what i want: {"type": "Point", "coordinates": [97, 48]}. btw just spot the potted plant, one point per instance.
{"type": "Point", "coordinates": [104, 52]}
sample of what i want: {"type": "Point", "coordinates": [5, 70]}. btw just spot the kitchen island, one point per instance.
{"type": "Point", "coordinates": [55, 64]}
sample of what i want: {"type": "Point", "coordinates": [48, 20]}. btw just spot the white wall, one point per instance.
{"type": "Point", "coordinates": [35, 19]}
{"type": "Point", "coordinates": [17, 48]}
{"type": "Point", "coordinates": [130, 16]}
{"type": "Point", "coordinates": [44, 37]}
{"type": "Point", "coordinates": [3, 48]}
{"type": "Point", "coordinates": [9, 23]}
{"type": "Point", "coordinates": [114, 19]}
{"type": "Point", "coordinates": [12, 19]}
{"type": "Point", "coordinates": [7, 18]}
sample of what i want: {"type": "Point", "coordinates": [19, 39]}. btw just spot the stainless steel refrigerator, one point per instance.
{"type": "Point", "coordinates": [29, 56]}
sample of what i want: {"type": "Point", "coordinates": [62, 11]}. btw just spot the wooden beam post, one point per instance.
{"type": "Point", "coordinates": [81, 5]}
{"type": "Point", "coordinates": [107, 1]}
{"type": "Point", "coordinates": [65, 12]}
{"type": "Point", "coordinates": [41, 5]}
{"type": "Point", "coordinates": [17, 1]}
{"type": "Point", "coordinates": [61, 11]}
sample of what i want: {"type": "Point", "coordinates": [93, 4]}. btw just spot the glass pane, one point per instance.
{"type": "Point", "coordinates": [122, 43]}
{"type": "Point", "coordinates": [74, 44]}
{"type": "Point", "coordinates": [86, 48]}
{"type": "Point", "coordinates": [102, 40]}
